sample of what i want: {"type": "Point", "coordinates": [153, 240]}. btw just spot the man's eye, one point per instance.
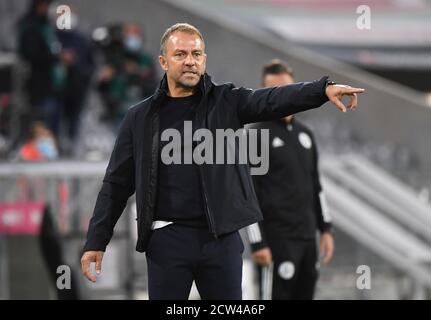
{"type": "Point", "coordinates": [179, 54]}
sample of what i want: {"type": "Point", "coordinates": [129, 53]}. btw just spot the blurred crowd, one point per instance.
{"type": "Point", "coordinates": [64, 65]}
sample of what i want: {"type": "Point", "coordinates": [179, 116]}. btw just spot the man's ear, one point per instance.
{"type": "Point", "coordinates": [163, 63]}
{"type": "Point", "coordinates": [205, 62]}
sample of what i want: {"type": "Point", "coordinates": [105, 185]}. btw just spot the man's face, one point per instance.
{"type": "Point", "coordinates": [42, 8]}
{"type": "Point", "coordinates": [184, 60]}
{"type": "Point", "coordinates": [276, 80]}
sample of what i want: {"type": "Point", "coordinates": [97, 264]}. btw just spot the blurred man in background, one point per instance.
{"type": "Point", "coordinates": [79, 63]}
{"type": "Point", "coordinates": [40, 49]}
{"type": "Point", "coordinates": [290, 196]}
{"type": "Point", "coordinates": [128, 74]}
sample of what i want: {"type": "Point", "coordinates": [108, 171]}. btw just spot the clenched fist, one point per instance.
{"type": "Point", "coordinates": [263, 256]}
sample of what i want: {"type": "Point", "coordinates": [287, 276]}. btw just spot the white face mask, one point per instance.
{"type": "Point", "coordinates": [132, 43]}
{"type": "Point", "coordinates": [47, 147]}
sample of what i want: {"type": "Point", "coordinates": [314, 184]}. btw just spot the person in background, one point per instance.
{"type": "Point", "coordinates": [41, 51]}
{"type": "Point", "coordinates": [293, 206]}
{"type": "Point", "coordinates": [78, 59]}
{"type": "Point", "coordinates": [128, 74]}
{"type": "Point", "coordinates": [40, 145]}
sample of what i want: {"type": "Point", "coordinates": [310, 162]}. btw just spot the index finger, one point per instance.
{"type": "Point", "coordinates": [351, 90]}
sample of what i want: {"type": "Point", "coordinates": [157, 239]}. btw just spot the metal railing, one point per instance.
{"type": "Point", "coordinates": [367, 203]}
{"type": "Point", "coordinates": [381, 213]}
{"type": "Point", "coordinates": [70, 188]}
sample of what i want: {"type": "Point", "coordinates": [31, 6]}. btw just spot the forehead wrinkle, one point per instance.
{"type": "Point", "coordinates": [194, 44]}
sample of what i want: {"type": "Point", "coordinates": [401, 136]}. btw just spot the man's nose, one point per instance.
{"type": "Point", "coordinates": [190, 61]}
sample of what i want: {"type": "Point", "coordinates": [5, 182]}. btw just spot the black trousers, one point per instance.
{"type": "Point", "coordinates": [293, 273]}
{"type": "Point", "coordinates": [177, 255]}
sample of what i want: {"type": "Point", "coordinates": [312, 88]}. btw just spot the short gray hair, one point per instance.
{"type": "Point", "coordinates": [178, 27]}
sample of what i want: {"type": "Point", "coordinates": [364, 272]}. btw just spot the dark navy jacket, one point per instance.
{"type": "Point", "coordinates": [230, 200]}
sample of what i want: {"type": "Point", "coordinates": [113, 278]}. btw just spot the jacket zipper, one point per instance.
{"type": "Point", "coordinates": [153, 164]}
{"type": "Point", "coordinates": [207, 208]}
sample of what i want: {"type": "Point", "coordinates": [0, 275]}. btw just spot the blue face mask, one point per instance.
{"type": "Point", "coordinates": [47, 147]}
{"type": "Point", "coordinates": [132, 43]}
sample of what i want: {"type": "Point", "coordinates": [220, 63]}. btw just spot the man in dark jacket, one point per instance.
{"type": "Point", "coordinates": [292, 203]}
{"type": "Point", "coordinates": [77, 51]}
{"type": "Point", "coordinates": [40, 49]}
{"type": "Point", "coordinates": [188, 215]}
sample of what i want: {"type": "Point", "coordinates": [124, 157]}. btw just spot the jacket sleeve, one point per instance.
{"type": "Point", "coordinates": [118, 185]}
{"type": "Point", "coordinates": [255, 232]}
{"type": "Point", "coordinates": [277, 102]}
{"type": "Point", "coordinates": [320, 207]}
